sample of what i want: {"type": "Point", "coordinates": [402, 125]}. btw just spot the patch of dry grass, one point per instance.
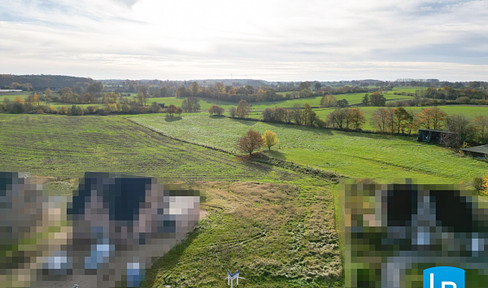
{"type": "Point", "coordinates": [272, 233]}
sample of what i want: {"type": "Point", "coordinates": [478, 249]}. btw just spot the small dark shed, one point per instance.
{"type": "Point", "coordinates": [433, 136]}
{"type": "Point", "coordinates": [477, 151]}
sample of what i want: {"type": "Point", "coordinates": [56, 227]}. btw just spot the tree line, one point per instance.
{"type": "Point", "coordinates": [389, 120]}
{"type": "Point", "coordinates": [400, 121]}
{"type": "Point", "coordinates": [32, 105]}
{"type": "Point", "coordinates": [41, 82]}
{"type": "Point", "coordinates": [377, 99]}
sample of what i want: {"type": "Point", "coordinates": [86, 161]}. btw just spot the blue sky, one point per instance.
{"type": "Point", "coordinates": [265, 39]}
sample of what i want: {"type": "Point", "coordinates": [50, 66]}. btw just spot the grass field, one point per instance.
{"type": "Point", "coordinates": [275, 234]}
{"type": "Point", "coordinates": [469, 111]}
{"type": "Point", "coordinates": [353, 155]}
{"type": "Point", "coordinates": [205, 104]}
{"type": "Point", "coordinates": [12, 95]}
{"type": "Point", "coordinates": [274, 225]}
{"type": "Point", "coordinates": [353, 98]}
{"type": "Point", "coordinates": [69, 145]}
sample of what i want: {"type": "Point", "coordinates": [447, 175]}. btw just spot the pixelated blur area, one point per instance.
{"type": "Point", "coordinates": [105, 234]}
{"type": "Point", "coordinates": [393, 232]}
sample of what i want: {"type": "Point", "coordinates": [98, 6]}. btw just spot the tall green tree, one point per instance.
{"type": "Point", "coordinates": [190, 104]}
{"type": "Point", "coordinates": [402, 119]}
{"type": "Point", "coordinates": [377, 99]}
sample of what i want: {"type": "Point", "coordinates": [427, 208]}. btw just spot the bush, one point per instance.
{"type": "Point", "coordinates": [477, 183]}
{"type": "Point", "coordinates": [216, 110]}
{"type": "Point", "coordinates": [463, 100]}
{"type": "Point", "coordinates": [232, 112]}
{"type": "Point", "coordinates": [342, 103]}
{"type": "Point", "coordinates": [63, 110]}
{"type": "Point", "coordinates": [76, 111]}
{"type": "Point", "coordinates": [155, 108]}
{"type": "Point", "coordinates": [16, 108]}
{"type": "Point", "coordinates": [90, 110]}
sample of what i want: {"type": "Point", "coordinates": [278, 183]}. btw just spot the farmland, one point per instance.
{"type": "Point", "coordinates": [69, 146]}
{"type": "Point", "coordinates": [12, 95]}
{"type": "Point", "coordinates": [292, 242]}
{"type": "Point", "coordinates": [352, 98]}
{"type": "Point", "coordinates": [353, 155]}
{"type": "Point", "coordinates": [276, 224]}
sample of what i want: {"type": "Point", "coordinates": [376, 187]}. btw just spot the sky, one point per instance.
{"type": "Point", "coordinates": [275, 40]}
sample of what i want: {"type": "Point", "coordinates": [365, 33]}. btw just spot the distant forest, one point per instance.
{"type": "Point", "coordinates": [42, 82]}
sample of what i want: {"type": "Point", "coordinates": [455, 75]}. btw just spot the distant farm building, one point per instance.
{"type": "Point", "coordinates": [477, 151]}
{"type": "Point", "coordinates": [433, 136]}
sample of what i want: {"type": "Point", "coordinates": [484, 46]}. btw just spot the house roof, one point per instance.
{"type": "Point", "coordinates": [483, 149]}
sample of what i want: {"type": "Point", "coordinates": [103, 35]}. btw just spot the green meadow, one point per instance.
{"type": "Point", "coordinates": [205, 104]}
{"type": "Point", "coordinates": [12, 95]}
{"type": "Point", "coordinates": [354, 155]}
{"type": "Point", "coordinates": [275, 225]}
{"type": "Point", "coordinates": [55, 145]}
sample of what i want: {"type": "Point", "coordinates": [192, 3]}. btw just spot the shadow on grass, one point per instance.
{"type": "Point", "coordinates": [218, 117]}
{"type": "Point", "coordinates": [275, 154]}
{"type": "Point", "coordinates": [172, 119]}
{"type": "Point", "coordinates": [245, 121]}
{"type": "Point", "coordinates": [168, 261]}
{"type": "Point", "coordinates": [250, 162]}
{"type": "Point", "coordinates": [315, 130]}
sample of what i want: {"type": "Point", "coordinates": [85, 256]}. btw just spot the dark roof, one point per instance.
{"type": "Point", "coordinates": [483, 149]}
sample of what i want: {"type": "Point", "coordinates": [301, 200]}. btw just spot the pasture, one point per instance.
{"type": "Point", "coordinates": [258, 107]}
{"type": "Point", "coordinates": [12, 95]}
{"type": "Point", "coordinates": [273, 224]}
{"type": "Point", "coordinates": [351, 154]}
{"type": "Point", "coordinates": [67, 146]}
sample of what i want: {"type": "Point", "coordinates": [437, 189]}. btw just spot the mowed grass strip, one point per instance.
{"type": "Point", "coordinates": [68, 146]}
{"type": "Point", "coordinates": [355, 155]}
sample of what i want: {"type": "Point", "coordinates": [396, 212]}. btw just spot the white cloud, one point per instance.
{"type": "Point", "coordinates": [275, 40]}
